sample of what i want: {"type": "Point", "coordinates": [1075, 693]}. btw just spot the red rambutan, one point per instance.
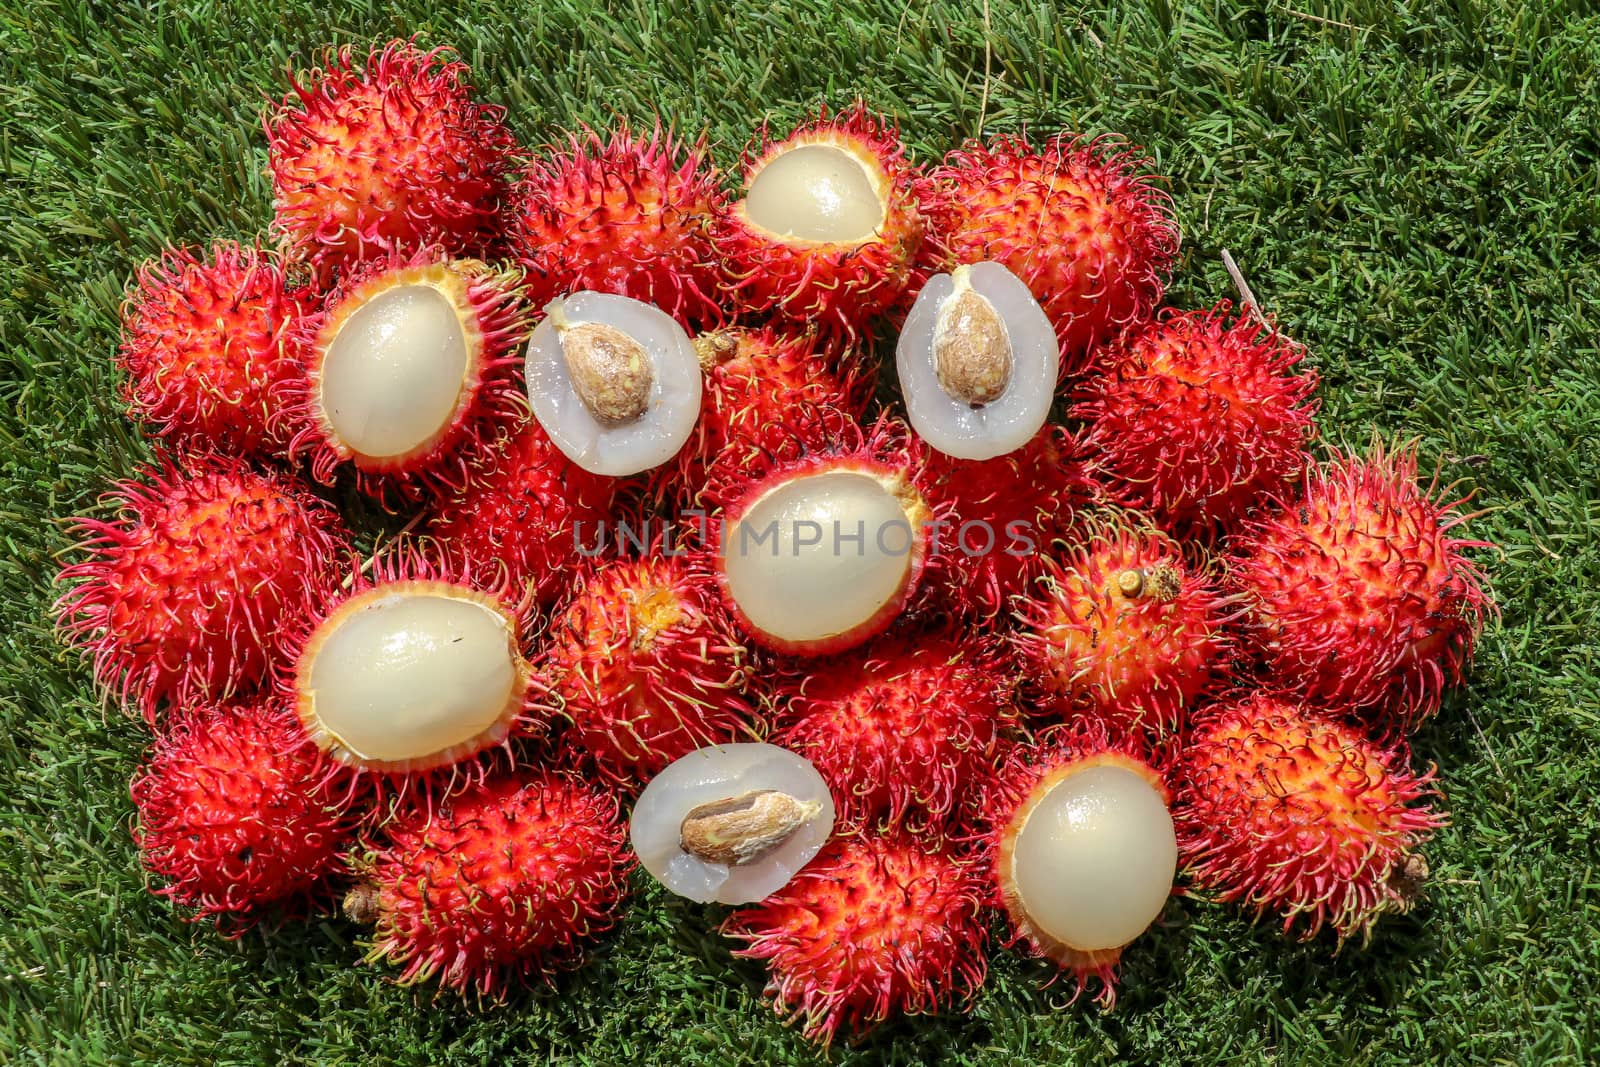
{"type": "Point", "coordinates": [626, 215]}
{"type": "Point", "coordinates": [205, 344]}
{"type": "Point", "coordinates": [872, 927]}
{"type": "Point", "coordinates": [1287, 811]}
{"type": "Point", "coordinates": [389, 159]}
{"type": "Point", "coordinates": [506, 881]}
{"type": "Point", "coordinates": [411, 373]}
{"type": "Point", "coordinates": [237, 812]}
{"type": "Point", "coordinates": [1125, 628]}
{"type": "Point", "coordinates": [1197, 421]}
{"type": "Point", "coordinates": [1362, 599]}
{"type": "Point", "coordinates": [645, 662]}
{"type": "Point", "coordinates": [829, 225]}
{"type": "Point", "coordinates": [183, 592]}
{"type": "Point", "coordinates": [902, 729]}
{"type": "Point", "coordinates": [1091, 235]}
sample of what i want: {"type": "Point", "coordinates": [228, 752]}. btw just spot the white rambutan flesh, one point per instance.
{"type": "Point", "coordinates": [817, 193]}
{"type": "Point", "coordinates": [818, 556]}
{"type": "Point", "coordinates": [408, 675]}
{"type": "Point", "coordinates": [977, 360]}
{"type": "Point", "coordinates": [731, 823]}
{"type": "Point", "coordinates": [614, 381]}
{"type": "Point", "coordinates": [1092, 857]}
{"type": "Point", "coordinates": [393, 375]}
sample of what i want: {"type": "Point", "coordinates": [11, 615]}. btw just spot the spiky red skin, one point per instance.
{"type": "Point", "coordinates": [873, 927]}
{"type": "Point", "coordinates": [1028, 498]}
{"type": "Point", "coordinates": [492, 401]}
{"type": "Point", "coordinates": [628, 215]}
{"type": "Point", "coordinates": [236, 812]}
{"type": "Point", "coordinates": [1287, 811]}
{"type": "Point", "coordinates": [839, 287]}
{"type": "Point", "coordinates": [1003, 795]}
{"type": "Point", "coordinates": [646, 665]}
{"type": "Point", "coordinates": [1080, 222]}
{"type": "Point", "coordinates": [902, 730]}
{"type": "Point", "coordinates": [527, 511]}
{"type": "Point", "coordinates": [888, 452]}
{"type": "Point", "coordinates": [508, 881]}
{"type": "Point", "coordinates": [1196, 421]}
{"type": "Point", "coordinates": [181, 595]}
{"type": "Point", "coordinates": [1129, 661]}
{"type": "Point", "coordinates": [763, 385]}
{"type": "Point", "coordinates": [205, 345]}
{"type": "Point", "coordinates": [1361, 596]}
{"type": "Point", "coordinates": [390, 158]}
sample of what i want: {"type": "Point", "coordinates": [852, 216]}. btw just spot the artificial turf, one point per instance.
{"type": "Point", "coordinates": [1411, 189]}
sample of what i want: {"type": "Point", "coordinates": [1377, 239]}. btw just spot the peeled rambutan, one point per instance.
{"type": "Point", "coordinates": [829, 225]}
{"type": "Point", "coordinates": [646, 665]}
{"type": "Point", "coordinates": [237, 812]}
{"type": "Point", "coordinates": [388, 159]}
{"type": "Point", "coordinates": [1005, 514]}
{"type": "Point", "coordinates": [822, 541]}
{"type": "Point", "coordinates": [184, 591]}
{"type": "Point", "coordinates": [412, 664]}
{"type": "Point", "coordinates": [1361, 597]}
{"type": "Point", "coordinates": [1285, 810]}
{"type": "Point", "coordinates": [507, 881]}
{"type": "Point", "coordinates": [902, 729]}
{"type": "Point", "coordinates": [1197, 421]}
{"type": "Point", "coordinates": [411, 373]}
{"type": "Point", "coordinates": [871, 928]}
{"type": "Point", "coordinates": [528, 511]}
{"type": "Point", "coordinates": [1080, 849]}
{"type": "Point", "coordinates": [1078, 221]}
{"type": "Point", "coordinates": [206, 343]}
{"type": "Point", "coordinates": [1124, 627]}
{"type": "Point", "coordinates": [627, 215]}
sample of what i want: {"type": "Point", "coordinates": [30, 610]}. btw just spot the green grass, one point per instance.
{"type": "Point", "coordinates": [1413, 190]}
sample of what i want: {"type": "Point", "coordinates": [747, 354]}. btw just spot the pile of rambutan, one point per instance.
{"type": "Point", "coordinates": [1157, 638]}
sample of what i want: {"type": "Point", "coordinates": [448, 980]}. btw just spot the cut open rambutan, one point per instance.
{"type": "Point", "coordinates": [206, 344]}
{"type": "Point", "coordinates": [1284, 810]}
{"type": "Point", "coordinates": [1197, 421]}
{"type": "Point", "coordinates": [872, 928]}
{"type": "Point", "coordinates": [386, 159]}
{"type": "Point", "coordinates": [1361, 595]}
{"type": "Point", "coordinates": [185, 589]}
{"type": "Point", "coordinates": [507, 881]}
{"type": "Point", "coordinates": [829, 224]}
{"type": "Point", "coordinates": [410, 373]}
{"type": "Point", "coordinates": [236, 812]}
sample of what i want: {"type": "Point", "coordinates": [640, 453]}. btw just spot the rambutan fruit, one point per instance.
{"type": "Point", "coordinates": [412, 666]}
{"type": "Point", "coordinates": [1282, 809]}
{"type": "Point", "coordinates": [1078, 221]}
{"type": "Point", "coordinates": [1004, 515]}
{"type": "Point", "coordinates": [507, 881]}
{"type": "Point", "coordinates": [822, 542]}
{"type": "Point", "coordinates": [645, 662]}
{"type": "Point", "coordinates": [1196, 421]}
{"type": "Point", "coordinates": [1361, 596]}
{"type": "Point", "coordinates": [1124, 627]}
{"type": "Point", "coordinates": [388, 159]}
{"type": "Point", "coordinates": [410, 373]}
{"type": "Point", "coordinates": [872, 928]}
{"type": "Point", "coordinates": [236, 812]}
{"type": "Point", "coordinates": [829, 225]}
{"type": "Point", "coordinates": [901, 729]}
{"type": "Point", "coordinates": [184, 591]}
{"type": "Point", "coordinates": [1081, 850]}
{"type": "Point", "coordinates": [205, 345]}
{"type": "Point", "coordinates": [628, 215]}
